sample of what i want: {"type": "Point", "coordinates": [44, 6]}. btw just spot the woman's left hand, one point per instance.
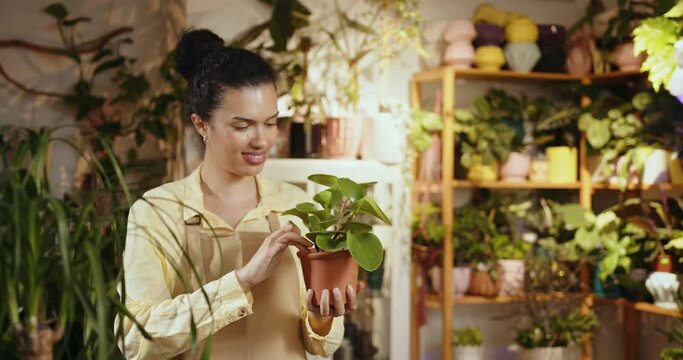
{"type": "Point", "coordinates": [332, 304]}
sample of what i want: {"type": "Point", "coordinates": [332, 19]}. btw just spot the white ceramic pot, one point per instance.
{"type": "Point", "coordinates": [522, 56]}
{"type": "Point", "coordinates": [538, 170]}
{"type": "Point", "coordinates": [461, 280]}
{"type": "Point", "coordinates": [552, 353]}
{"type": "Point", "coordinates": [511, 274]}
{"type": "Point", "coordinates": [516, 168]}
{"type": "Point", "coordinates": [383, 138]}
{"type": "Point", "coordinates": [460, 54]}
{"type": "Point", "coordinates": [625, 59]}
{"type": "Point", "coordinates": [656, 167]}
{"type": "Point", "coordinates": [664, 287]}
{"type": "Point", "coordinates": [468, 352]}
{"type": "Point", "coordinates": [432, 31]}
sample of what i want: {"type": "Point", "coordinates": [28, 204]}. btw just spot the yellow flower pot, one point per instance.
{"type": "Point", "coordinates": [675, 169]}
{"type": "Point", "coordinates": [562, 161]}
{"type": "Point", "coordinates": [521, 30]}
{"type": "Point", "coordinates": [481, 172]}
{"type": "Point", "coordinates": [489, 58]}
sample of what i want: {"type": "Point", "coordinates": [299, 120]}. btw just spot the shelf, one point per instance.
{"type": "Point", "coordinates": [643, 307]}
{"type": "Point", "coordinates": [665, 187]}
{"type": "Point", "coordinates": [434, 300]}
{"type": "Point", "coordinates": [478, 74]}
{"type": "Point", "coordinates": [512, 185]}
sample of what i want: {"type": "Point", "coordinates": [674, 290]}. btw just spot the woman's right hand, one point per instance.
{"type": "Point", "coordinates": [269, 255]}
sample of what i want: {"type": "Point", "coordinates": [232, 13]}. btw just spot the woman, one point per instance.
{"type": "Point", "coordinates": [219, 227]}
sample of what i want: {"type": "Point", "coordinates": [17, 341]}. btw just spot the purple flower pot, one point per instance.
{"type": "Point", "coordinates": [488, 35]}
{"type": "Point", "coordinates": [551, 35]}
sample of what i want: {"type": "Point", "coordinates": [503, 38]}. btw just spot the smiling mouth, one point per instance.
{"type": "Point", "coordinates": [254, 158]}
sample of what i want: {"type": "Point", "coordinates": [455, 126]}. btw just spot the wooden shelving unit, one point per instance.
{"type": "Point", "coordinates": [434, 300]}
{"type": "Point", "coordinates": [447, 76]}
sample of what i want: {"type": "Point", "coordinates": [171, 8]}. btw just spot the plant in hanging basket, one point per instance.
{"type": "Point", "coordinates": [342, 240]}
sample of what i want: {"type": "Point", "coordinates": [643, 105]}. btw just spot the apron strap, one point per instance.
{"type": "Point", "coordinates": [193, 249]}
{"type": "Point", "coordinates": [273, 222]}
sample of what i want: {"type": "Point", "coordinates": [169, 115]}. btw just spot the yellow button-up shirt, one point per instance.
{"type": "Point", "coordinates": [155, 237]}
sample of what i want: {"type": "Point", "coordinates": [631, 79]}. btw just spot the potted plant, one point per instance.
{"type": "Point", "coordinates": [510, 255]}
{"type": "Point", "coordinates": [472, 231]}
{"type": "Point", "coordinates": [341, 240]}
{"type": "Point", "coordinates": [54, 282]}
{"type": "Point", "coordinates": [467, 343]}
{"type": "Point", "coordinates": [555, 336]}
{"type": "Point", "coordinates": [484, 140]}
{"type": "Point", "coordinates": [675, 337]}
{"type": "Point", "coordinates": [427, 235]}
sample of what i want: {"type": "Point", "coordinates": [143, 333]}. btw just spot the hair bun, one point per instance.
{"type": "Point", "coordinates": [192, 47]}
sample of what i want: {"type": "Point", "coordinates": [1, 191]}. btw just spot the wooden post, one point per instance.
{"type": "Point", "coordinates": [415, 101]}
{"type": "Point", "coordinates": [586, 201]}
{"type": "Point", "coordinates": [447, 176]}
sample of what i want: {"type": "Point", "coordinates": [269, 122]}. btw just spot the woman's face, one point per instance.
{"type": "Point", "coordinates": [242, 130]}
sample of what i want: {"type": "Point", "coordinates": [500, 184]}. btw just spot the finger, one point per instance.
{"type": "Point", "coordinates": [301, 248]}
{"type": "Point", "coordinates": [351, 298]}
{"type": "Point", "coordinates": [295, 228]}
{"type": "Point", "coordinates": [279, 232]}
{"type": "Point", "coordinates": [338, 302]}
{"type": "Point", "coordinates": [361, 286]}
{"type": "Point", "coordinates": [309, 301]}
{"type": "Point", "coordinates": [325, 303]}
{"type": "Point", "coordinates": [293, 237]}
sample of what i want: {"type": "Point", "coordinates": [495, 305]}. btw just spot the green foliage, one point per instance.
{"type": "Point", "coordinates": [466, 337]}
{"type": "Point", "coordinates": [423, 125]}
{"type": "Point", "coordinates": [333, 224]}
{"type": "Point", "coordinates": [559, 330]}
{"type": "Point", "coordinates": [52, 247]}
{"type": "Point", "coordinates": [431, 232]}
{"type": "Point", "coordinates": [506, 248]}
{"type": "Point", "coordinates": [656, 37]}
{"type": "Point", "coordinates": [675, 337]}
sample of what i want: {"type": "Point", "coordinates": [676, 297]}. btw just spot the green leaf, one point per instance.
{"type": "Point", "coordinates": [306, 207]}
{"type": "Point", "coordinates": [314, 223]}
{"type": "Point", "coordinates": [350, 189]}
{"type": "Point", "coordinates": [609, 265]}
{"type": "Point", "coordinates": [369, 206]}
{"type": "Point", "coordinates": [300, 214]}
{"type": "Point", "coordinates": [324, 179]}
{"type": "Point", "coordinates": [281, 24]}
{"type": "Point", "coordinates": [366, 249]}
{"type": "Point", "coordinates": [324, 241]}
{"type": "Point", "coordinates": [57, 10]}
{"type": "Point", "coordinates": [357, 227]}
{"type": "Point", "coordinates": [328, 198]}
{"type": "Point", "coordinates": [675, 244]}
{"type": "Point", "coordinates": [367, 185]}
{"type": "Point", "coordinates": [574, 215]}
{"type": "Point", "coordinates": [676, 11]}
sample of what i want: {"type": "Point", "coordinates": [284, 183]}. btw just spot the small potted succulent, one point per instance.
{"type": "Point", "coordinates": [341, 240]}
{"type": "Point", "coordinates": [467, 343]}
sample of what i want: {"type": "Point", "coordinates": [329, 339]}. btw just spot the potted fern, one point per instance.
{"type": "Point", "coordinates": [342, 241]}
{"type": "Point", "coordinates": [467, 343]}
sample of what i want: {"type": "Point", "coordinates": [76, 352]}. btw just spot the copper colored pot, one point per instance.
{"type": "Point", "coordinates": [481, 284]}
{"type": "Point", "coordinates": [327, 270]}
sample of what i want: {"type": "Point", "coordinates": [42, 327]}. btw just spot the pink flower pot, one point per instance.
{"type": "Point", "coordinates": [436, 275]}
{"type": "Point", "coordinates": [460, 54]}
{"type": "Point", "coordinates": [625, 59]}
{"type": "Point", "coordinates": [579, 61]}
{"type": "Point", "coordinates": [461, 280]}
{"type": "Point", "coordinates": [459, 30]}
{"type": "Point", "coordinates": [511, 274]}
{"type": "Point", "coordinates": [344, 136]}
{"type": "Point", "coordinates": [516, 168]}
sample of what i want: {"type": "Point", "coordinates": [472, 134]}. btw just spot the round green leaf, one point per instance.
{"type": "Point", "coordinates": [369, 206]}
{"type": "Point", "coordinates": [306, 207]}
{"type": "Point", "coordinates": [350, 189]}
{"type": "Point", "coordinates": [366, 249]}
{"type": "Point", "coordinates": [325, 242]}
{"type": "Point", "coordinates": [323, 179]}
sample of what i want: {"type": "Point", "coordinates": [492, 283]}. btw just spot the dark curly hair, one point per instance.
{"type": "Point", "coordinates": [210, 68]}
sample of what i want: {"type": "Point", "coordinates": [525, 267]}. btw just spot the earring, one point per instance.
{"type": "Point", "coordinates": [204, 138]}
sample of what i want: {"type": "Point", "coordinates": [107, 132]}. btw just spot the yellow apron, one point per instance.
{"type": "Point", "coordinates": [273, 331]}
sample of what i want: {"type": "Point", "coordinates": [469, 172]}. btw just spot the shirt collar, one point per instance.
{"type": "Point", "coordinates": [269, 197]}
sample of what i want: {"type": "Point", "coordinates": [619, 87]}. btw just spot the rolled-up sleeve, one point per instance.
{"type": "Point", "coordinates": [153, 242]}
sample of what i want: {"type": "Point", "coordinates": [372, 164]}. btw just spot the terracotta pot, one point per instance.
{"type": "Point", "coordinates": [344, 136]}
{"type": "Point", "coordinates": [460, 30]}
{"type": "Point", "coordinates": [579, 61]}
{"type": "Point", "coordinates": [664, 263]}
{"type": "Point", "coordinates": [488, 35]}
{"type": "Point", "coordinates": [625, 59]}
{"type": "Point", "coordinates": [41, 346]}
{"type": "Point", "coordinates": [425, 255]}
{"type": "Point", "coordinates": [436, 276]}
{"type": "Point", "coordinates": [460, 54]}
{"type": "Point", "coordinates": [327, 270]}
{"type": "Point", "coordinates": [461, 280]}
{"type": "Point", "coordinates": [489, 58]}
{"type": "Point", "coordinates": [511, 274]}
{"type": "Point", "coordinates": [516, 168]}
{"type": "Point", "coordinates": [481, 284]}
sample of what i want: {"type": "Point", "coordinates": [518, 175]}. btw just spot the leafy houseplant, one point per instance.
{"type": "Point", "coordinates": [424, 124]}
{"type": "Point", "coordinates": [54, 282]}
{"type": "Point", "coordinates": [558, 330]}
{"type": "Point", "coordinates": [336, 232]}
{"type": "Point", "coordinates": [467, 342]}
{"type": "Point", "coordinates": [675, 337]}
